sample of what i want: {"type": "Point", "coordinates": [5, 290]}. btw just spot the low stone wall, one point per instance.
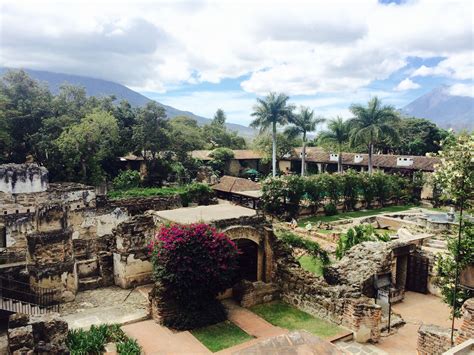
{"type": "Point", "coordinates": [45, 334]}
{"type": "Point", "coordinates": [433, 340]}
{"type": "Point", "coordinates": [249, 294]}
{"type": "Point", "coordinates": [138, 205]}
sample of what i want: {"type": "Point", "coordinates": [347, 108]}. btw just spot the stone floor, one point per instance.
{"type": "Point", "coordinates": [105, 305]}
{"type": "Point", "coordinates": [415, 309]}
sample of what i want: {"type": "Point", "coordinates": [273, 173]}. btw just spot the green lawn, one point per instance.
{"type": "Point", "coordinates": [286, 316]}
{"type": "Point", "coordinates": [353, 214]}
{"type": "Point", "coordinates": [221, 336]}
{"type": "Point", "coordinates": [145, 192]}
{"type": "Point", "coordinates": [311, 264]}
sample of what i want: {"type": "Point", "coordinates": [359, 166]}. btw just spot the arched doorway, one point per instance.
{"type": "Point", "coordinates": [248, 259]}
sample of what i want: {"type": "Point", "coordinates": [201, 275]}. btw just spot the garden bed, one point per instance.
{"type": "Point", "coordinates": [353, 214]}
{"type": "Point", "coordinates": [285, 316]}
{"type": "Point", "coordinates": [221, 336]}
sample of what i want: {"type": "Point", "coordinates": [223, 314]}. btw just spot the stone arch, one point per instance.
{"type": "Point", "coordinates": [244, 232]}
{"type": "Point", "coordinates": [246, 236]}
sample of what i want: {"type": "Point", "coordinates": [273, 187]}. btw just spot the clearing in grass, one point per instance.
{"type": "Point", "coordinates": [221, 336]}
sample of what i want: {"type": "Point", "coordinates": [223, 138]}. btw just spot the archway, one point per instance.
{"type": "Point", "coordinates": [248, 259]}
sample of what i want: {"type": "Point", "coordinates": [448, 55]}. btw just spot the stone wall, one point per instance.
{"type": "Point", "coordinates": [433, 340]}
{"type": "Point", "coordinates": [132, 264]}
{"type": "Point", "coordinates": [466, 331]}
{"type": "Point", "coordinates": [23, 178]}
{"type": "Point", "coordinates": [45, 334]}
{"type": "Point", "coordinates": [249, 294]}
{"type": "Point", "coordinates": [341, 302]}
{"type": "Point", "coordinates": [139, 205]}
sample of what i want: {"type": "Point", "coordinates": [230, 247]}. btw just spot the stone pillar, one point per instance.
{"type": "Point", "coordinates": [433, 340]}
{"type": "Point", "coordinates": [364, 319]}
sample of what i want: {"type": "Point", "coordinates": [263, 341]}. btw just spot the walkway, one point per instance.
{"type": "Point", "coordinates": [415, 309]}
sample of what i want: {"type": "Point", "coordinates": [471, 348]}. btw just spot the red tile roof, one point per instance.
{"type": "Point", "coordinates": [235, 184]}
{"type": "Point", "coordinates": [318, 155]}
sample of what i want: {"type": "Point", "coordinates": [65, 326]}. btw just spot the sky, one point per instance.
{"type": "Point", "coordinates": [203, 55]}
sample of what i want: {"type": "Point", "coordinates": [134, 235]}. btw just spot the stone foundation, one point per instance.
{"type": "Point", "coordinates": [466, 331]}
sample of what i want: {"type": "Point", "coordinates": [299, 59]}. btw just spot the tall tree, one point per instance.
{"type": "Point", "coordinates": [86, 145]}
{"type": "Point", "coordinates": [372, 124]}
{"type": "Point", "coordinates": [336, 135]}
{"type": "Point", "coordinates": [219, 118]}
{"type": "Point", "coordinates": [301, 124]}
{"type": "Point", "coordinates": [269, 112]}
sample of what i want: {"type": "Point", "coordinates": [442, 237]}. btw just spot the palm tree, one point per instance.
{"type": "Point", "coordinates": [372, 124]}
{"type": "Point", "coordinates": [302, 123]}
{"type": "Point", "coordinates": [337, 134]}
{"type": "Point", "coordinates": [270, 111]}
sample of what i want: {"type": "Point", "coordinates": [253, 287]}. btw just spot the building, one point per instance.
{"type": "Point", "coordinates": [243, 159]}
{"type": "Point", "coordinates": [319, 160]}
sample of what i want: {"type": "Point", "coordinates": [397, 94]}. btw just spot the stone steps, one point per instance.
{"type": "Point", "coordinates": [436, 244]}
{"type": "Point", "coordinates": [90, 283]}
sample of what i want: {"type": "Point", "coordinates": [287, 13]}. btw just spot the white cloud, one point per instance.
{"type": "Point", "coordinates": [461, 90]}
{"type": "Point", "coordinates": [406, 84]}
{"type": "Point", "coordinates": [300, 47]}
{"type": "Point", "coordinates": [458, 66]}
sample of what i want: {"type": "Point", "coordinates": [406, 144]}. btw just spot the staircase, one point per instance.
{"type": "Point", "coordinates": [436, 242]}
{"type": "Point", "coordinates": [21, 297]}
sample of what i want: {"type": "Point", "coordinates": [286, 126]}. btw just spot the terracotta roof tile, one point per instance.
{"type": "Point", "coordinates": [235, 184]}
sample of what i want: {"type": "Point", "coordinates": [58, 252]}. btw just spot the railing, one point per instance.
{"type": "Point", "coordinates": [21, 297]}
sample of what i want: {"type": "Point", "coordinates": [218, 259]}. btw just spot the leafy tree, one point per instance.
{"type": "Point", "coordinates": [220, 158]}
{"type": "Point", "coordinates": [455, 177]}
{"type": "Point", "coordinates": [84, 146]}
{"type": "Point", "coordinates": [309, 246]}
{"type": "Point", "coordinates": [336, 135]}
{"type": "Point", "coordinates": [372, 124]}
{"type": "Point", "coordinates": [269, 112]}
{"type": "Point", "coordinates": [264, 143]}
{"type": "Point", "coordinates": [186, 136]}
{"type": "Point", "coordinates": [417, 136]}
{"type": "Point", "coordinates": [126, 120]}
{"type": "Point", "coordinates": [24, 105]}
{"type": "Point", "coordinates": [301, 124]}
{"type": "Point", "coordinates": [219, 118]}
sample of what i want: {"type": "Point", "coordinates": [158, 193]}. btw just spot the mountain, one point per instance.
{"type": "Point", "coordinates": [99, 87]}
{"type": "Point", "coordinates": [444, 109]}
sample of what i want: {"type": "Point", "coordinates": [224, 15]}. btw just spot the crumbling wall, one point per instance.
{"type": "Point", "coordinates": [44, 334]}
{"type": "Point", "coordinates": [433, 340]}
{"type": "Point", "coordinates": [23, 178]}
{"type": "Point", "coordinates": [466, 331]}
{"type": "Point", "coordinates": [139, 205]}
{"type": "Point", "coordinates": [341, 302]}
{"type": "Point", "coordinates": [132, 265]}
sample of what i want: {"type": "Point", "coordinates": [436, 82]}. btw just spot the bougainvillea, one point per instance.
{"type": "Point", "coordinates": [194, 263]}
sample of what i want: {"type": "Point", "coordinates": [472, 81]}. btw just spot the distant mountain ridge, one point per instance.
{"type": "Point", "coordinates": [100, 87]}
{"type": "Point", "coordinates": [444, 109]}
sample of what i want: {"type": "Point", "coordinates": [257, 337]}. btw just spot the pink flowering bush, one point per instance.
{"type": "Point", "coordinates": [193, 263]}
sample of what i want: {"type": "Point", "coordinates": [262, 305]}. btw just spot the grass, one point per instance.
{"type": "Point", "coordinates": [311, 264]}
{"type": "Point", "coordinates": [221, 336]}
{"type": "Point", "coordinates": [283, 315]}
{"type": "Point", "coordinates": [353, 214]}
{"type": "Point", "coordinates": [145, 192]}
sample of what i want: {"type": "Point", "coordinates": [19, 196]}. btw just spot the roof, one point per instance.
{"type": "Point", "coordinates": [317, 155]}
{"type": "Point", "coordinates": [239, 154]}
{"type": "Point", "coordinates": [235, 184]}
{"type": "Point", "coordinates": [205, 214]}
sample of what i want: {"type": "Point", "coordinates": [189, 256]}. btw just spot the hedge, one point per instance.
{"type": "Point", "coordinates": [283, 195]}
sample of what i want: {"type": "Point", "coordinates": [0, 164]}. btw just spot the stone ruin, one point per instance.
{"type": "Point", "coordinates": [23, 178]}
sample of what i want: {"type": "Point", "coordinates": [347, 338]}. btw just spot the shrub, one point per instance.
{"type": "Point", "coordinates": [311, 247]}
{"type": "Point", "coordinates": [126, 179]}
{"type": "Point", "coordinates": [333, 188]}
{"type": "Point", "coordinates": [194, 263]}
{"type": "Point", "coordinates": [314, 190]}
{"type": "Point", "coordinates": [128, 347]}
{"type": "Point", "coordinates": [357, 235]}
{"type": "Point", "coordinates": [220, 157]}
{"type": "Point", "coordinates": [368, 188]}
{"type": "Point", "coordinates": [201, 194]}
{"type": "Point", "coordinates": [351, 182]}
{"type": "Point", "coordinates": [330, 209]}
{"type": "Point", "coordinates": [92, 341]}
